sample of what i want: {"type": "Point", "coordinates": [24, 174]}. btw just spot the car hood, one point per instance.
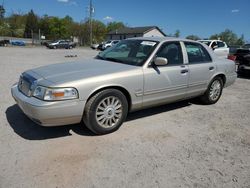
{"type": "Point", "coordinates": [71, 71]}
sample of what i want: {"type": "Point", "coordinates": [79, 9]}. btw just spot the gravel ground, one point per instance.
{"type": "Point", "coordinates": [178, 145]}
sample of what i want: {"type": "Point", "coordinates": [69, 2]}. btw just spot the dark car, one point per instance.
{"type": "Point", "coordinates": [66, 44]}
{"type": "Point", "coordinates": [4, 42]}
{"type": "Point", "coordinates": [242, 59]}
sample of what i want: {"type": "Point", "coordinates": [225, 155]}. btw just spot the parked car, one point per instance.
{"type": "Point", "coordinates": [66, 44]}
{"type": "Point", "coordinates": [107, 44]}
{"type": "Point", "coordinates": [17, 43]}
{"type": "Point", "coordinates": [46, 43]}
{"type": "Point", "coordinates": [101, 91]}
{"type": "Point", "coordinates": [94, 46]}
{"type": "Point", "coordinates": [246, 46]}
{"type": "Point", "coordinates": [4, 42]}
{"type": "Point", "coordinates": [220, 48]}
{"type": "Point", "coordinates": [242, 59]}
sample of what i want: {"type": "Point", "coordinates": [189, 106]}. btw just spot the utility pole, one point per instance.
{"type": "Point", "coordinates": [91, 11]}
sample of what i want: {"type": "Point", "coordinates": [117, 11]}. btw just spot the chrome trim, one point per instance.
{"type": "Point", "coordinates": [197, 84]}
{"type": "Point", "coordinates": [156, 91]}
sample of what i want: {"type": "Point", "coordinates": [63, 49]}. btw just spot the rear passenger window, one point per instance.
{"type": "Point", "coordinates": [172, 51]}
{"type": "Point", "coordinates": [197, 53]}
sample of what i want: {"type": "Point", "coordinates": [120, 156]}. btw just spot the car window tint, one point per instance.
{"type": "Point", "coordinates": [221, 44]}
{"type": "Point", "coordinates": [197, 53]}
{"type": "Point", "coordinates": [172, 51]}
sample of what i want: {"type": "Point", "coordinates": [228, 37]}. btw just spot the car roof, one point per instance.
{"type": "Point", "coordinates": [160, 39]}
{"type": "Point", "coordinates": [210, 40]}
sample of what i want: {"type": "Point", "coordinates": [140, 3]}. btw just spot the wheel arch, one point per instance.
{"type": "Point", "coordinates": [117, 87]}
{"type": "Point", "coordinates": [222, 76]}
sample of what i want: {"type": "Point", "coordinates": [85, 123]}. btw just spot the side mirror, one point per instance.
{"type": "Point", "coordinates": [160, 61]}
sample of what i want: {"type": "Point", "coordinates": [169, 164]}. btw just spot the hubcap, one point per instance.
{"type": "Point", "coordinates": [215, 90]}
{"type": "Point", "coordinates": [109, 112]}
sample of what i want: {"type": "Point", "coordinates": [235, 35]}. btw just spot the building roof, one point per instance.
{"type": "Point", "coordinates": [134, 30]}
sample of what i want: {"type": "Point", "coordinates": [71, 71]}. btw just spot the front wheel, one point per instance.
{"type": "Point", "coordinates": [105, 111]}
{"type": "Point", "coordinates": [214, 91]}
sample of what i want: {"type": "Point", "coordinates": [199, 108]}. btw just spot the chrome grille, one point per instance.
{"type": "Point", "coordinates": [25, 84]}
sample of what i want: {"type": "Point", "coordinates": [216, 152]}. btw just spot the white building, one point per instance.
{"type": "Point", "coordinates": [130, 32]}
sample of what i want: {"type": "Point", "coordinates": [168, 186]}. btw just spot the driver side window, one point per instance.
{"type": "Point", "coordinates": [172, 51]}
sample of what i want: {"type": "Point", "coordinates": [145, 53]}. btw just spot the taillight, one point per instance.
{"type": "Point", "coordinates": [232, 57]}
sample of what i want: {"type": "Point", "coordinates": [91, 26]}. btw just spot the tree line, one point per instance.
{"type": "Point", "coordinates": [31, 25]}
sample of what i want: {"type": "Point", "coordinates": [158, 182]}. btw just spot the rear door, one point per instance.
{"type": "Point", "coordinates": [201, 68]}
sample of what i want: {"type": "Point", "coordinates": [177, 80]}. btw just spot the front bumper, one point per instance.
{"type": "Point", "coordinates": [49, 113]}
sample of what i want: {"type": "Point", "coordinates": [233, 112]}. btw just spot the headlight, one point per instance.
{"type": "Point", "coordinates": [55, 94]}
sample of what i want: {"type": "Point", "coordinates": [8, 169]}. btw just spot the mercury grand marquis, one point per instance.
{"type": "Point", "coordinates": [134, 74]}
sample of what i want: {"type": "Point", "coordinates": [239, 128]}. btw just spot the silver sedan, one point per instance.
{"type": "Point", "coordinates": [134, 74]}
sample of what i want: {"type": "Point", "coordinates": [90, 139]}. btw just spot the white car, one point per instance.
{"type": "Point", "coordinates": [109, 44]}
{"type": "Point", "coordinates": [220, 48]}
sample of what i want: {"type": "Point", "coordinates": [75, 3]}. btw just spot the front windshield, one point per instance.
{"type": "Point", "coordinates": [132, 52]}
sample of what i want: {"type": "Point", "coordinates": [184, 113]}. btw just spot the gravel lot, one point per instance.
{"type": "Point", "coordinates": [179, 145]}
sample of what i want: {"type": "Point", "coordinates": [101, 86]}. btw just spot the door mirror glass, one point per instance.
{"type": "Point", "coordinates": [160, 61]}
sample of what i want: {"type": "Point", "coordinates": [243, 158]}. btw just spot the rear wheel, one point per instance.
{"type": "Point", "coordinates": [214, 91]}
{"type": "Point", "coordinates": [106, 111]}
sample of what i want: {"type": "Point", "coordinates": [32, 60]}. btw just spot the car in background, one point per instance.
{"type": "Point", "coordinates": [107, 44]}
{"type": "Point", "coordinates": [220, 48]}
{"type": "Point", "coordinates": [246, 46]}
{"type": "Point", "coordinates": [136, 73]}
{"type": "Point", "coordinates": [17, 43]}
{"type": "Point", "coordinates": [242, 59]}
{"type": "Point", "coordinates": [4, 42]}
{"type": "Point", "coordinates": [94, 46]}
{"type": "Point", "coordinates": [66, 44]}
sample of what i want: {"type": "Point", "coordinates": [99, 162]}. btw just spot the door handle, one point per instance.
{"type": "Point", "coordinates": [211, 68]}
{"type": "Point", "coordinates": [184, 71]}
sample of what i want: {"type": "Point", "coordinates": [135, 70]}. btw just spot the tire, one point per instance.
{"type": "Point", "coordinates": [213, 92]}
{"type": "Point", "coordinates": [54, 47]}
{"type": "Point", "coordinates": [105, 111]}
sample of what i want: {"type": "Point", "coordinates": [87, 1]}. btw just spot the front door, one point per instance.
{"type": "Point", "coordinates": [163, 84]}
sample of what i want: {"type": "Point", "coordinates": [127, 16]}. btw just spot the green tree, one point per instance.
{"type": "Point", "coordinates": [193, 37]}
{"type": "Point", "coordinates": [177, 33]}
{"type": "Point", "coordinates": [31, 25]}
{"type": "Point", "coordinates": [44, 26]}
{"type": "Point", "coordinates": [56, 28]}
{"type": "Point", "coordinates": [17, 24]}
{"type": "Point", "coordinates": [229, 37]}
{"type": "Point", "coordinates": [67, 22]}
{"type": "Point", "coordinates": [111, 26]}
{"type": "Point", "coordinates": [99, 31]}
